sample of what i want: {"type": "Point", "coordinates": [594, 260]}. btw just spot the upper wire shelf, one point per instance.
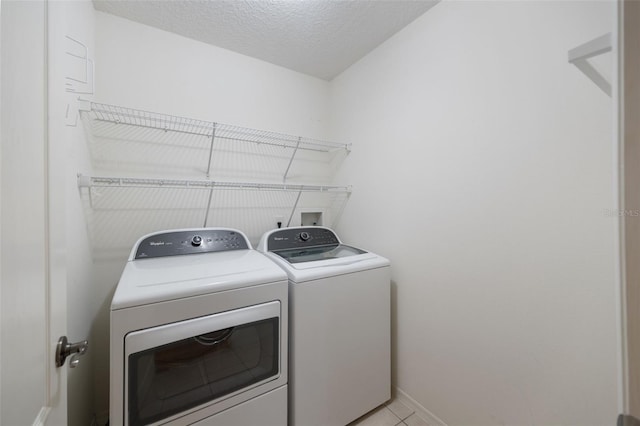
{"type": "Point", "coordinates": [170, 123]}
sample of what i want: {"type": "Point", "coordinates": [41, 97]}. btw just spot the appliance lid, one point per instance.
{"type": "Point", "coordinates": [312, 254]}
{"type": "Point", "coordinates": [153, 280]}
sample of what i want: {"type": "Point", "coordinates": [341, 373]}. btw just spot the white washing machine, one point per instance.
{"type": "Point", "coordinates": [339, 325]}
{"type": "Point", "coordinates": [199, 333]}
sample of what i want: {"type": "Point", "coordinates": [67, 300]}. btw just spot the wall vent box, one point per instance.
{"type": "Point", "coordinates": [311, 219]}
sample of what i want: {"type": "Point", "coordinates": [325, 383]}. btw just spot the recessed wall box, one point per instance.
{"type": "Point", "coordinates": [311, 219]}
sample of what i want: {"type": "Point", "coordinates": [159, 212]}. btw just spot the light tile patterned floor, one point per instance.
{"type": "Point", "coordinates": [393, 413]}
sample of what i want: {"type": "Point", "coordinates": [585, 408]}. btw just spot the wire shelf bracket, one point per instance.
{"type": "Point", "coordinates": [580, 55]}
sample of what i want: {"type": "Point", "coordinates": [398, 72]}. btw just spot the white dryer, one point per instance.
{"type": "Point", "coordinates": [199, 333]}
{"type": "Point", "coordinates": [339, 325]}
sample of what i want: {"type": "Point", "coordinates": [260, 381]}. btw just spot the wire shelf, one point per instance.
{"type": "Point", "coordinates": [130, 182]}
{"type": "Point", "coordinates": [170, 123]}
{"type": "Point", "coordinates": [137, 206]}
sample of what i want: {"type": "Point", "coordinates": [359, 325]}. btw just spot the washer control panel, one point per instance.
{"type": "Point", "coordinates": [290, 238]}
{"type": "Point", "coordinates": [190, 242]}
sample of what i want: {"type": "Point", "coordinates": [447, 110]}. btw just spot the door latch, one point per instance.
{"type": "Point", "coordinates": [64, 349]}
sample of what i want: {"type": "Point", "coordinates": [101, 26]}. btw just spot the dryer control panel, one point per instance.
{"type": "Point", "coordinates": [195, 241]}
{"type": "Point", "coordinates": [290, 238]}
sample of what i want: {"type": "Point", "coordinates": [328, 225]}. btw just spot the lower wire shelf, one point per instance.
{"type": "Point", "coordinates": [129, 182]}
{"type": "Point", "coordinates": [139, 205]}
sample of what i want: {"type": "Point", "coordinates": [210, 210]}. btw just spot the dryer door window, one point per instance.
{"type": "Point", "coordinates": [234, 353]}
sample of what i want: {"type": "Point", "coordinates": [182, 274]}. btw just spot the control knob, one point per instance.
{"type": "Point", "coordinates": [196, 241]}
{"type": "Point", "coordinates": [304, 236]}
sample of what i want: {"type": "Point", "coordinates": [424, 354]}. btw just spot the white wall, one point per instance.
{"type": "Point", "coordinates": [145, 68]}
{"type": "Point", "coordinates": [482, 166]}
{"type": "Point", "coordinates": [142, 67]}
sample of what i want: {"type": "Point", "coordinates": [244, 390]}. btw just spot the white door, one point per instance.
{"type": "Point", "coordinates": [32, 288]}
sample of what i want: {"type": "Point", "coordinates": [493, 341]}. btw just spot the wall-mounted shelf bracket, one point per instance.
{"type": "Point", "coordinates": [580, 55]}
{"type": "Point", "coordinates": [84, 105]}
{"type": "Point", "coordinates": [73, 110]}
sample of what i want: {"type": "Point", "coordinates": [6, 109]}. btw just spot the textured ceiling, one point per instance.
{"type": "Point", "coordinates": [321, 38]}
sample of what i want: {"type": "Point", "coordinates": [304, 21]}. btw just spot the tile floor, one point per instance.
{"type": "Point", "coordinates": [393, 413]}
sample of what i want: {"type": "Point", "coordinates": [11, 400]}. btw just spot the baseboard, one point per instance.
{"type": "Point", "coordinates": [420, 410]}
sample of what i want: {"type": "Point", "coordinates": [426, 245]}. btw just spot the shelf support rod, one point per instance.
{"type": "Point", "coordinates": [286, 172]}
{"type": "Point", "coordinates": [294, 208]}
{"type": "Point", "coordinates": [213, 138]}
{"type": "Point", "coordinates": [206, 213]}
